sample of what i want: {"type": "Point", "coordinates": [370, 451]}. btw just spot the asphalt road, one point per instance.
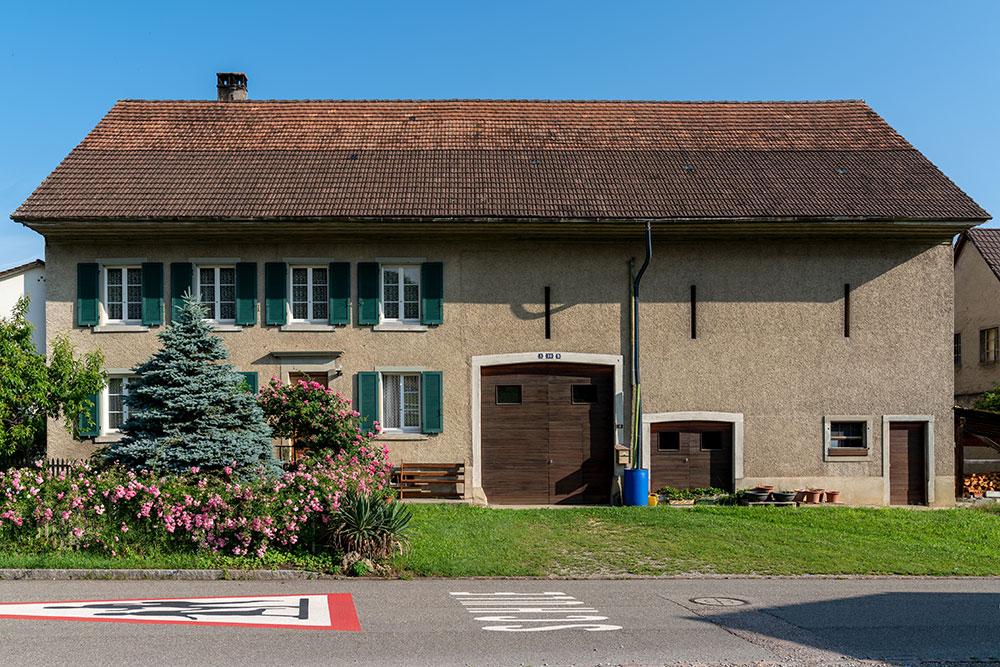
{"type": "Point", "coordinates": [784, 621]}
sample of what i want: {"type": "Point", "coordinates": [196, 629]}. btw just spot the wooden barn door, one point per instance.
{"type": "Point", "coordinates": [691, 455]}
{"type": "Point", "coordinates": [547, 433]}
{"type": "Point", "coordinates": [907, 463]}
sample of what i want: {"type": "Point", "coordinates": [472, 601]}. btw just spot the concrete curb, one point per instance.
{"type": "Point", "coordinates": [147, 575]}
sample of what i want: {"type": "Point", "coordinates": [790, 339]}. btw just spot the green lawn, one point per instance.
{"type": "Point", "coordinates": [455, 541]}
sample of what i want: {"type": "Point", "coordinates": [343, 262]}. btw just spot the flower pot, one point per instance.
{"type": "Point", "coordinates": [832, 496]}
{"type": "Point", "coordinates": [755, 496]}
{"type": "Point", "coordinates": [783, 496]}
{"type": "Point", "coordinates": [814, 495]}
{"type": "Point", "coordinates": [764, 488]}
{"type": "Point", "coordinates": [800, 495]}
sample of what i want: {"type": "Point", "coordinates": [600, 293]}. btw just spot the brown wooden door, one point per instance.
{"type": "Point", "coordinates": [907, 463]}
{"type": "Point", "coordinates": [691, 455]}
{"type": "Point", "coordinates": [547, 433]}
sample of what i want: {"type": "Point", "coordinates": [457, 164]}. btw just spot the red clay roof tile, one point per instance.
{"type": "Point", "coordinates": [495, 159]}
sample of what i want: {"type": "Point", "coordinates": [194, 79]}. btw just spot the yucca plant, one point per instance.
{"type": "Point", "coordinates": [371, 526]}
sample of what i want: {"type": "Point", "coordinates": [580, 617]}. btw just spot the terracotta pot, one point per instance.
{"type": "Point", "coordinates": [800, 495]}
{"type": "Point", "coordinates": [832, 496]}
{"type": "Point", "coordinates": [814, 495]}
{"type": "Point", "coordinates": [764, 489]}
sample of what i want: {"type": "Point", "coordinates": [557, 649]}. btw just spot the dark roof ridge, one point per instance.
{"type": "Point", "coordinates": [503, 99]}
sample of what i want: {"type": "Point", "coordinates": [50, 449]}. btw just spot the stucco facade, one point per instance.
{"type": "Point", "coordinates": [770, 345]}
{"type": "Point", "coordinates": [977, 307]}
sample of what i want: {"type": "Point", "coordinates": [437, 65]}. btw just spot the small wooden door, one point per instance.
{"type": "Point", "coordinates": [691, 455]}
{"type": "Point", "coordinates": [907, 463]}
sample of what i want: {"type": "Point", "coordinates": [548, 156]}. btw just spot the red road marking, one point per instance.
{"type": "Point", "coordinates": [342, 615]}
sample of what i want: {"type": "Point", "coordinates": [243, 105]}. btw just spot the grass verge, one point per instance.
{"type": "Point", "coordinates": [456, 541]}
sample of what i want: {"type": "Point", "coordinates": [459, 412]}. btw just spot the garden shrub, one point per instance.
{"type": "Point", "coordinates": [312, 416]}
{"type": "Point", "coordinates": [370, 526]}
{"type": "Point", "coordinates": [115, 510]}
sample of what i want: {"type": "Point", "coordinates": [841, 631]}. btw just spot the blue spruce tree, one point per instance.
{"type": "Point", "coordinates": [187, 410]}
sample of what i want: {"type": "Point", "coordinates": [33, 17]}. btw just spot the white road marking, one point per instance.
{"type": "Point", "coordinates": [510, 605]}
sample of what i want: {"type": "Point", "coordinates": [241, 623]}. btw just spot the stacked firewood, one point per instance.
{"type": "Point", "coordinates": [982, 482]}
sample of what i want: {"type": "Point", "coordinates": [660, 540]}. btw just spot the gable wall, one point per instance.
{"type": "Point", "coordinates": [770, 339]}
{"type": "Point", "coordinates": [977, 306]}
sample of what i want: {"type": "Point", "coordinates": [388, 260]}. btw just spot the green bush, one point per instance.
{"type": "Point", "coordinates": [370, 525]}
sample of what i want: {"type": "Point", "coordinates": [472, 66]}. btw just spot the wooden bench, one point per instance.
{"type": "Point", "coordinates": [413, 479]}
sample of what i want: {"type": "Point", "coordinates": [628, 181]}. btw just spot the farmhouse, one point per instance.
{"type": "Point", "coordinates": [977, 314]}
{"type": "Point", "coordinates": [462, 269]}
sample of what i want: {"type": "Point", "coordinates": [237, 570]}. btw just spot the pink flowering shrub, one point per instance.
{"type": "Point", "coordinates": [119, 511]}
{"type": "Point", "coordinates": [313, 416]}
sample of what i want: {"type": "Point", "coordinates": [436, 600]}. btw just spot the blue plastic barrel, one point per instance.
{"type": "Point", "coordinates": [636, 487]}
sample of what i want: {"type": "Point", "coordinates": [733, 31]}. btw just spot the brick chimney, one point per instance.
{"type": "Point", "coordinates": [232, 86]}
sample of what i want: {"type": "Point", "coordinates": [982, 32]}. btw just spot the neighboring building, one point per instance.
{"type": "Point", "coordinates": [977, 314]}
{"type": "Point", "coordinates": [461, 268]}
{"type": "Point", "coordinates": [26, 280]}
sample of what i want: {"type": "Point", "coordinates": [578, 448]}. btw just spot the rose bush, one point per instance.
{"type": "Point", "coordinates": [313, 416]}
{"type": "Point", "coordinates": [118, 511]}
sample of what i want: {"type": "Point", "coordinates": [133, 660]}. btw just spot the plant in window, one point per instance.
{"type": "Point", "coordinates": [312, 416]}
{"type": "Point", "coordinates": [187, 410]}
{"type": "Point", "coordinates": [31, 390]}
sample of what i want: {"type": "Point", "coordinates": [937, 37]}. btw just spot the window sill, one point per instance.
{"type": "Point", "coordinates": [400, 435]}
{"type": "Point", "coordinates": [120, 328]}
{"type": "Point", "coordinates": [225, 327]}
{"type": "Point", "coordinates": [847, 455]}
{"type": "Point", "coordinates": [400, 327]}
{"type": "Point", "coordinates": [306, 326]}
{"type": "Point", "coordinates": [108, 438]}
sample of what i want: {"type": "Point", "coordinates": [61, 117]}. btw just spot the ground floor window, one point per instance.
{"type": "Point", "coordinates": [848, 436]}
{"type": "Point", "coordinates": [401, 402]}
{"type": "Point", "coordinates": [116, 411]}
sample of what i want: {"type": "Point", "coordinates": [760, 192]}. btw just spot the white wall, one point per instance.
{"type": "Point", "coordinates": [32, 283]}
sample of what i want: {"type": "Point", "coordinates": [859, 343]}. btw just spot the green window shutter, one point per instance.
{"type": "Point", "coordinates": [368, 399]}
{"type": "Point", "coordinates": [368, 289]}
{"type": "Point", "coordinates": [250, 377]}
{"type": "Point", "coordinates": [275, 297]}
{"type": "Point", "coordinates": [431, 420]}
{"type": "Point", "coordinates": [246, 293]}
{"type": "Point", "coordinates": [87, 288]}
{"type": "Point", "coordinates": [83, 430]}
{"type": "Point", "coordinates": [432, 293]}
{"type": "Point", "coordinates": [340, 292]}
{"type": "Point", "coordinates": [152, 293]}
{"type": "Point", "coordinates": [181, 283]}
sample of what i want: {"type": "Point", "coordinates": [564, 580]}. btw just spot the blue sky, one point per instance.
{"type": "Point", "coordinates": [929, 68]}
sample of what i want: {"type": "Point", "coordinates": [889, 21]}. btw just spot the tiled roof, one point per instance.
{"type": "Point", "coordinates": [987, 242]}
{"type": "Point", "coordinates": [489, 159]}
{"type": "Point", "coordinates": [20, 269]}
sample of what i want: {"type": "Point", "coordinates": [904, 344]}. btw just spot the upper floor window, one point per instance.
{"type": "Point", "coordinates": [401, 294]}
{"type": "Point", "coordinates": [123, 294]}
{"type": "Point", "coordinates": [989, 345]}
{"type": "Point", "coordinates": [958, 349]}
{"type": "Point", "coordinates": [310, 291]}
{"type": "Point", "coordinates": [217, 292]}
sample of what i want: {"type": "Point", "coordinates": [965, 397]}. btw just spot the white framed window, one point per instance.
{"type": "Point", "coordinates": [309, 290]}
{"type": "Point", "coordinates": [847, 436]}
{"type": "Point", "coordinates": [216, 289]}
{"type": "Point", "coordinates": [401, 402]}
{"type": "Point", "coordinates": [123, 294]}
{"type": "Point", "coordinates": [989, 345]}
{"type": "Point", "coordinates": [400, 301]}
{"type": "Point", "coordinates": [115, 412]}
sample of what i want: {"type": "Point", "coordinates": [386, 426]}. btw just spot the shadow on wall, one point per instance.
{"type": "Point", "coordinates": [884, 626]}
